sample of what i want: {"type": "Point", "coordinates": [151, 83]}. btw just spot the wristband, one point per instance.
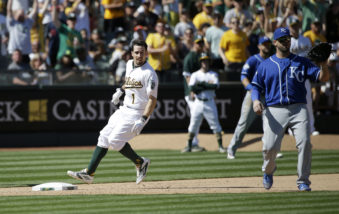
{"type": "Point", "coordinates": [144, 117]}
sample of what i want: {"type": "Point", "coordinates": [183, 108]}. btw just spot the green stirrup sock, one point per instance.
{"type": "Point", "coordinates": [98, 154]}
{"type": "Point", "coordinates": [129, 153]}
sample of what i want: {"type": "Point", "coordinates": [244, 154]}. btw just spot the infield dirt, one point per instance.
{"type": "Point", "coordinates": [252, 142]}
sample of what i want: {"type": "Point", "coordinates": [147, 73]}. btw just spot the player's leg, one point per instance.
{"type": "Point", "coordinates": [246, 119]}
{"type": "Point", "coordinates": [195, 122]}
{"type": "Point", "coordinates": [300, 126]}
{"type": "Point", "coordinates": [275, 121]}
{"type": "Point", "coordinates": [210, 113]}
{"type": "Point", "coordinates": [119, 137]}
{"type": "Point", "coordinates": [87, 175]}
{"type": "Point", "coordinates": [190, 103]}
{"type": "Point", "coordinates": [310, 107]}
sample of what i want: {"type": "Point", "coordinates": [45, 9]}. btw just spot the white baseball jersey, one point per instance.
{"type": "Point", "coordinates": [209, 77]}
{"type": "Point", "coordinates": [140, 83]}
{"type": "Point", "coordinates": [204, 105]}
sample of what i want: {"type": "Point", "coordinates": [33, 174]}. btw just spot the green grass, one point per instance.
{"type": "Point", "coordinates": [27, 168]}
{"type": "Point", "coordinates": [288, 202]}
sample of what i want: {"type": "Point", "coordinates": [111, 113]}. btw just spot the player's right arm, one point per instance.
{"type": "Point", "coordinates": [258, 107]}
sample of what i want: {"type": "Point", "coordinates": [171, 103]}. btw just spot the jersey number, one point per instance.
{"type": "Point", "coordinates": [133, 98]}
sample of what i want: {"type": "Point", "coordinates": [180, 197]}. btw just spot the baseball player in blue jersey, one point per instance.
{"type": "Point", "coordinates": [247, 114]}
{"type": "Point", "coordinates": [281, 78]}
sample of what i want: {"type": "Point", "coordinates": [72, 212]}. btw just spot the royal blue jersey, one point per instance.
{"type": "Point", "coordinates": [250, 67]}
{"type": "Point", "coordinates": [283, 80]}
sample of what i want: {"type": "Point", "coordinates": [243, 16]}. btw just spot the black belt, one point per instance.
{"type": "Point", "coordinates": [204, 100]}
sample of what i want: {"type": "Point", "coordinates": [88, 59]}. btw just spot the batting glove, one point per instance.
{"type": "Point", "coordinates": [139, 125]}
{"type": "Point", "coordinates": [116, 96]}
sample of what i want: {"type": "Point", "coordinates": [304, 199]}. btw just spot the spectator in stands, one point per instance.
{"type": "Point", "coordinates": [205, 16]}
{"type": "Point", "coordinates": [4, 36]}
{"type": "Point", "coordinates": [233, 49]}
{"type": "Point", "coordinates": [155, 7]}
{"type": "Point", "coordinates": [19, 25]}
{"type": "Point", "coordinates": [183, 25]}
{"type": "Point", "coordinates": [83, 61]}
{"type": "Point", "coordinates": [171, 11]}
{"type": "Point", "coordinates": [159, 51]}
{"type": "Point", "coordinates": [80, 9]}
{"type": "Point", "coordinates": [69, 37]}
{"type": "Point", "coordinates": [118, 49]}
{"type": "Point", "coordinates": [20, 5]}
{"type": "Point", "coordinates": [311, 10]}
{"type": "Point", "coordinates": [185, 44]}
{"type": "Point", "coordinates": [213, 35]}
{"type": "Point", "coordinates": [37, 31]}
{"type": "Point", "coordinates": [67, 72]}
{"type": "Point", "coordinates": [52, 42]}
{"type": "Point", "coordinates": [173, 60]}
{"type": "Point", "coordinates": [85, 38]}
{"type": "Point", "coordinates": [239, 12]}
{"type": "Point", "coordinates": [129, 20]}
{"type": "Point", "coordinates": [99, 55]}
{"type": "Point", "coordinates": [139, 33]}
{"type": "Point", "coordinates": [39, 67]}
{"type": "Point", "coordinates": [85, 64]}
{"type": "Point", "coordinates": [113, 16]}
{"type": "Point", "coordinates": [119, 66]}
{"type": "Point", "coordinates": [193, 7]}
{"type": "Point", "coordinates": [147, 18]}
{"type": "Point", "coordinates": [250, 28]}
{"type": "Point", "coordinates": [315, 34]}
{"type": "Point", "coordinates": [22, 72]}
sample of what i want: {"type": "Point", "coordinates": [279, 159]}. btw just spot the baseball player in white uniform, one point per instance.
{"type": "Point", "coordinates": [140, 89]}
{"type": "Point", "coordinates": [203, 84]}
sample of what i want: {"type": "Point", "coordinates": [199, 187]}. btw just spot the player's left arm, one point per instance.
{"type": "Point", "coordinates": [324, 74]}
{"type": "Point", "coordinates": [152, 102]}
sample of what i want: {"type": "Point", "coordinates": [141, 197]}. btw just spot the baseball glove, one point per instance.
{"type": "Point", "coordinates": [320, 52]}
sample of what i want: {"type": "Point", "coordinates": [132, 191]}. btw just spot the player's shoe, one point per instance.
{"type": "Point", "coordinates": [268, 181]}
{"type": "Point", "coordinates": [222, 150]}
{"type": "Point", "coordinates": [186, 149]}
{"type": "Point", "coordinates": [315, 133]}
{"type": "Point", "coordinates": [142, 170]}
{"type": "Point", "coordinates": [230, 156]}
{"type": "Point", "coordinates": [304, 187]}
{"type": "Point", "coordinates": [280, 155]}
{"type": "Point", "coordinates": [197, 148]}
{"type": "Point", "coordinates": [81, 175]}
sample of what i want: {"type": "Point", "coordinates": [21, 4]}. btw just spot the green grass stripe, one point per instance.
{"type": "Point", "coordinates": [287, 202]}
{"type": "Point", "coordinates": [34, 167]}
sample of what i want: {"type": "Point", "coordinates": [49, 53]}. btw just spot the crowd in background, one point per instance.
{"type": "Point", "coordinates": [87, 41]}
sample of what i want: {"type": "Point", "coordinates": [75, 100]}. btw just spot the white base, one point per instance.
{"type": "Point", "coordinates": [54, 186]}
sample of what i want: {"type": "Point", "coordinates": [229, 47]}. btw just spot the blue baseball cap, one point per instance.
{"type": "Point", "coordinates": [264, 39]}
{"type": "Point", "coordinates": [281, 32]}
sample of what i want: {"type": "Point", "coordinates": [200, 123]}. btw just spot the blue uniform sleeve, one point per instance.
{"type": "Point", "coordinates": [248, 69]}
{"type": "Point", "coordinates": [313, 70]}
{"type": "Point", "coordinates": [257, 84]}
